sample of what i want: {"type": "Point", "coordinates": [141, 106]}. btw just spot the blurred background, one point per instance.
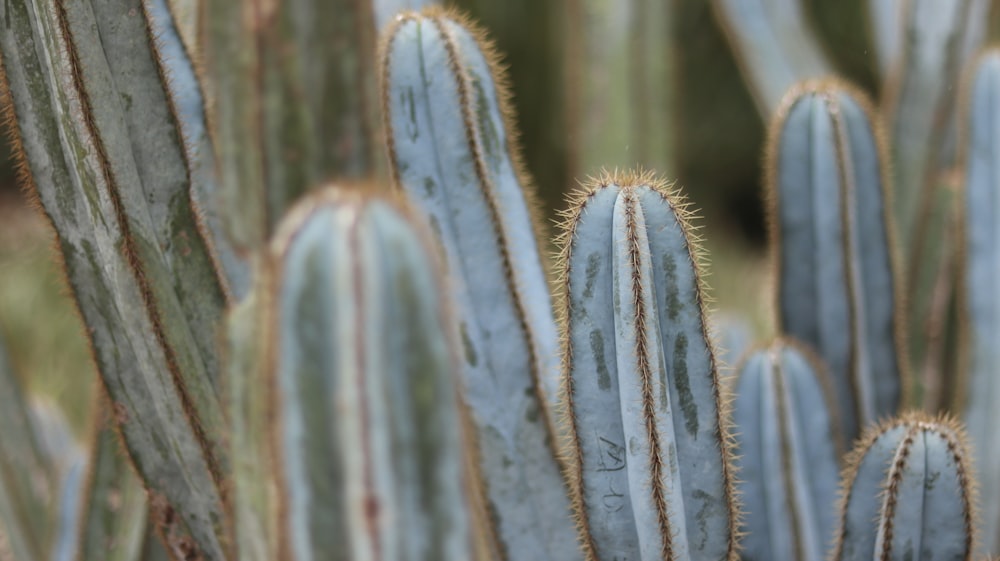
{"type": "Point", "coordinates": [578, 71]}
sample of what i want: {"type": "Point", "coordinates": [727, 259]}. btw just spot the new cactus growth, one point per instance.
{"type": "Point", "coordinates": [788, 448]}
{"type": "Point", "coordinates": [912, 477]}
{"type": "Point", "coordinates": [366, 436]}
{"type": "Point", "coordinates": [979, 384]}
{"type": "Point", "coordinates": [452, 151]}
{"type": "Point", "coordinates": [832, 233]}
{"type": "Point", "coordinates": [649, 453]}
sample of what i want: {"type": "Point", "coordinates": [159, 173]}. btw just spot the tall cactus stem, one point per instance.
{"type": "Point", "coordinates": [833, 246]}
{"type": "Point", "coordinates": [645, 484]}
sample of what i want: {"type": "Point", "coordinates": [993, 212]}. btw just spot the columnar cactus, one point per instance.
{"type": "Point", "coordinates": [365, 441]}
{"type": "Point", "coordinates": [833, 239]}
{"type": "Point", "coordinates": [788, 447]}
{"type": "Point", "coordinates": [452, 151]}
{"type": "Point", "coordinates": [100, 139]}
{"type": "Point", "coordinates": [979, 385]}
{"type": "Point", "coordinates": [649, 456]}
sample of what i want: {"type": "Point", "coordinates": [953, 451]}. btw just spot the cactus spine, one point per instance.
{"type": "Point", "coordinates": [788, 450]}
{"type": "Point", "coordinates": [649, 453]}
{"type": "Point", "coordinates": [452, 151]}
{"type": "Point", "coordinates": [832, 232]}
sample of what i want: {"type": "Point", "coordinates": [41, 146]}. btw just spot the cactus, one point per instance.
{"type": "Point", "coordinates": [28, 477]}
{"type": "Point", "coordinates": [620, 64]}
{"type": "Point", "coordinates": [114, 521]}
{"type": "Point", "coordinates": [289, 91]}
{"type": "Point", "coordinates": [912, 476]}
{"type": "Point", "coordinates": [649, 450]}
{"type": "Point", "coordinates": [387, 473]}
{"type": "Point", "coordinates": [452, 151]}
{"type": "Point", "coordinates": [773, 44]}
{"type": "Point", "coordinates": [979, 389]}
{"type": "Point", "coordinates": [376, 409]}
{"type": "Point", "coordinates": [832, 233]}
{"type": "Point", "coordinates": [101, 143]}
{"type": "Point", "coordinates": [788, 447]}
{"type": "Point", "coordinates": [918, 104]}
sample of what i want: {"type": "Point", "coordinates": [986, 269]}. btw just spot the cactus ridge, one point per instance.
{"type": "Point", "coordinates": [609, 252]}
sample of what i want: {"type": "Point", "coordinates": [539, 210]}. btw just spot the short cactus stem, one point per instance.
{"type": "Point", "coordinates": [908, 493]}
{"type": "Point", "coordinates": [788, 446]}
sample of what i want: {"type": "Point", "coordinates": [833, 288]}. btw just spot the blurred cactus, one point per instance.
{"type": "Point", "coordinates": [389, 397]}
{"type": "Point", "coordinates": [788, 446]}
{"type": "Point", "coordinates": [832, 237]}
{"type": "Point", "coordinates": [979, 390]}
{"type": "Point", "coordinates": [366, 439]}
{"type": "Point", "coordinates": [649, 441]}
{"type": "Point", "coordinates": [622, 84]}
{"type": "Point", "coordinates": [912, 476]}
{"type": "Point", "coordinates": [773, 44]}
{"type": "Point", "coordinates": [29, 478]}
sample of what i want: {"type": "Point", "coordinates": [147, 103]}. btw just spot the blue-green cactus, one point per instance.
{"type": "Point", "coordinates": [451, 150]}
{"type": "Point", "coordinates": [788, 451]}
{"type": "Point", "coordinates": [833, 239]}
{"type": "Point", "coordinates": [649, 451]}
{"type": "Point", "coordinates": [907, 494]}
{"type": "Point", "coordinates": [979, 385]}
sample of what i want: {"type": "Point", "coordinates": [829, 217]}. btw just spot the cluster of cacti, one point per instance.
{"type": "Point", "coordinates": [299, 365]}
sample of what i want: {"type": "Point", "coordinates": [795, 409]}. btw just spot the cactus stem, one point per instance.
{"type": "Point", "coordinates": [135, 264]}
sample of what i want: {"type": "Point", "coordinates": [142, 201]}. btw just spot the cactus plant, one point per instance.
{"type": "Point", "coordinates": [913, 477]}
{"type": "Point", "coordinates": [452, 150]}
{"type": "Point", "coordinates": [788, 447]}
{"type": "Point", "coordinates": [978, 388]}
{"type": "Point", "coordinates": [649, 441]}
{"type": "Point", "coordinates": [366, 438]}
{"type": "Point", "coordinates": [97, 134]}
{"type": "Point", "coordinates": [375, 408]}
{"type": "Point", "coordinates": [832, 234]}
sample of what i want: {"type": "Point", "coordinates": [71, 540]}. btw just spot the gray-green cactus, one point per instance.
{"type": "Point", "coordinates": [908, 494]}
{"type": "Point", "coordinates": [104, 152]}
{"type": "Point", "coordinates": [452, 151]}
{"type": "Point", "coordinates": [833, 240]}
{"type": "Point", "coordinates": [788, 450]}
{"type": "Point", "coordinates": [980, 385]}
{"type": "Point", "coordinates": [649, 443]}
